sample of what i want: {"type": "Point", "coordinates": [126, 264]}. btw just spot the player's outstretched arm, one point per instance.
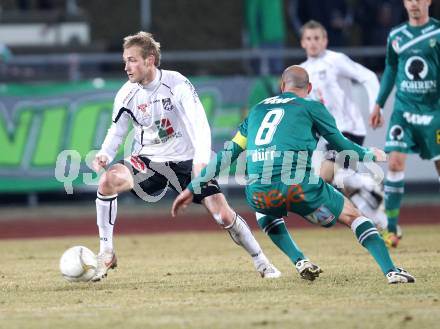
{"type": "Point", "coordinates": [182, 201]}
{"type": "Point", "coordinates": [376, 118]}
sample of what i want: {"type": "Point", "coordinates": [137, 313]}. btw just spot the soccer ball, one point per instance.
{"type": "Point", "coordinates": [78, 264]}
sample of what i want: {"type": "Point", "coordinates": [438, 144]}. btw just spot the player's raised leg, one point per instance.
{"type": "Point", "coordinates": [115, 180]}
{"type": "Point", "coordinates": [240, 232]}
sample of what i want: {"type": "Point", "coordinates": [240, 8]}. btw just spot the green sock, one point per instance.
{"type": "Point", "coordinates": [369, 237]}
{"type": "Point", "coordinates": [276, 229]}
{"type": "Point", "coordinates": [393, 197]}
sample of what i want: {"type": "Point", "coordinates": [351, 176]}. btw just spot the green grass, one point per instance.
{"type": "Point", "coordinates": [203, 280]}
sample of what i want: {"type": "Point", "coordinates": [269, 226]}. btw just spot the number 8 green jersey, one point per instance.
{"type": "Point", "coordinates": [281, 133]}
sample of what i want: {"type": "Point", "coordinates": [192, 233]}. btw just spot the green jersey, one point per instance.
{"type": "Point", "coordinates": [413, 65]}
{"type": "Point", "coordinates": [282, 133]}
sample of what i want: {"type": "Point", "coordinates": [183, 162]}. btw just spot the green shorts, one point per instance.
{"type": "Point", "coordinates": [319, 203]}
{"type": "Point", "coordinates": [414, 128]}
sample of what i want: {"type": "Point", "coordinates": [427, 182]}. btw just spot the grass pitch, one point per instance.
{"type": "Point", "coordinates": [203, 280]}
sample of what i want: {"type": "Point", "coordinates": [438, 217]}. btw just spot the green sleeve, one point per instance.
{"type": "Point", "coordinates": [389, 75]}
{"type": "Point", "coordinates": [325, 124]}
{"type": "Point", "coordinates": [223, 160]}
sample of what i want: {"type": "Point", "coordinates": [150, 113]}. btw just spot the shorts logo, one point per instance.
{"type": "Point", "coordinates": [416, 68]}
{"type": "Point", "coordinates": [167, 105]}
{"type": "Point", "coordinates": [418, 119]}
{"type": "Point", "coordinates": [438, 136]}
{"type": "Point", "coordinates": [396, 133]}
{"type": "Point", "coordinates": [275, 199]}
{"type": "Point", "coordinates": [138, 164]}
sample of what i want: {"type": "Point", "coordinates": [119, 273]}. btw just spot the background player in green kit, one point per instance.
{"type": "Point", "coordinates": [279, 136]}
{"type": "Point", "coordinates": [413, 66]}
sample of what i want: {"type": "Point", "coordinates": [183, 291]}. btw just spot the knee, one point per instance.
{"type": "Point", "coordinates": [110, 181]}
{"type": "Point", "coordinates": [219, 209]}
{"type": "Point", "coordinates": [396, 164]}
{"type": "Point", "coordinates": [224, 217]}
{"type": "Point", "coordinates": [349, 215]}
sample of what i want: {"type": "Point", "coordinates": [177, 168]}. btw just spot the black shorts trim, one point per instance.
{"type": "Point", "coordinates": [154, 177]}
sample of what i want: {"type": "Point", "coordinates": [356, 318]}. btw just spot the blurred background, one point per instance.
{"type": "Point", "coordinates": [61, 65]}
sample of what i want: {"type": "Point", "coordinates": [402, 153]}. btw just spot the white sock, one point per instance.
{"type": "Point", "coordinates": [106, 209]}
{"type": "Point", "coordinates": [242, 235]}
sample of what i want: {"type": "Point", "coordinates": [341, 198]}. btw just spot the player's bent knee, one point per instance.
{"type": "Point", "coordinates": [219, 209]}
{"type": "Point", "coordinates": [116, 179]}
{"type": "Point", "coordinates": [349, 213]}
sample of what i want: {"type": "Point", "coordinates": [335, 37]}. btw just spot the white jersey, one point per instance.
{"type": "Point", "coordinates": [332, 75]}
{"type": "Point", "coordinates": [169, 121]}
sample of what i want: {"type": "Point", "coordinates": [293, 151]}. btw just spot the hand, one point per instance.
{"type": "Point", "coordinates": [100, 162]}
{"type": "Point", "coordinates": [182, 201]}
{"type": "Point", "coordinates": [379, 154]}
{"type": "Point", "coordinates": [376, 117]}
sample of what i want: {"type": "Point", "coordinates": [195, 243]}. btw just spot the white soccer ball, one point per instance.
{"type": "Point", "coordinates": [78, 264]}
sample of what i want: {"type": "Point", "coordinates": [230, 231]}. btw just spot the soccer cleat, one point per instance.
{"type": "Point", "coordinates": [400, 276]}
{"type": "Point", "coordinates": [106, 261]}
{"type": "Point", "coordinates": [268, 271]}
{"type": "Point", "coordinates": [307, 270]}
{"type": "Point", "coordinates": [391, 239]}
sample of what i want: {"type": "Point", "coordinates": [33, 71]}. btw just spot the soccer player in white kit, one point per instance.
{"type": "Point", "coordinates": [172, 139]}
{"type": "Point", "coordinates": [332, 75]}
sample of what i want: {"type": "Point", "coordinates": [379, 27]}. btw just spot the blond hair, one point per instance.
{"type": "Point", "coordinates": [312, 25]}
{"type": "Point", "coordinates": [145, 41]}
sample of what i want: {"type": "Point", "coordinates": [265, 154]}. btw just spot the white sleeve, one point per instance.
{"type": "Point", "coordinates": [194, 119]}
{"type": "Point", "coordinates": [116, 133]}
{"type": "Point", "coordinates": [367, 78]}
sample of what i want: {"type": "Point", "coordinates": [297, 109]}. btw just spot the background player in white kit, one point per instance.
{"type": "Point", "coordinates": [172, 138]}
{"type": "Point", "coordinates": [332, 75]}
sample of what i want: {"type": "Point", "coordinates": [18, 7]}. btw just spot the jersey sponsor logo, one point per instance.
{"type": "Point", "coordinates": [416, 69]}
{"type": "Point", "coordinates": [275, 199]}
{"type": "Point", "coordinates": [418, 119]}
{"type": "Point", "coordinates": [167, 105]}
{"type": "Point", "coordinates": [165, 131]}
{"type": "Point", "coordinates": [277, 100]}
{"type": "Point", "coordinates": [142, 107]}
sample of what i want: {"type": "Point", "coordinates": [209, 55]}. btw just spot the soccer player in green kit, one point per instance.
{"type": "Point", "coordinates": [279, 136]}
{"type": "Point", "coordinates": [413, 66]}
